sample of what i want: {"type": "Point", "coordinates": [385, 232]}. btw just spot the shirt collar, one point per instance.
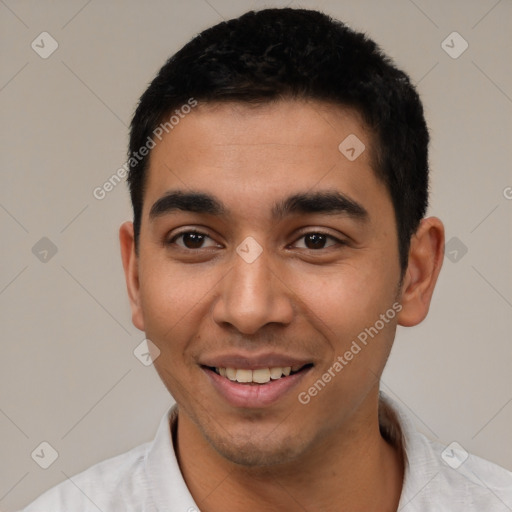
{"type": "Point", "coordinates": [167, 490]}
{"type": "Point", "coordinates": [421, 463]}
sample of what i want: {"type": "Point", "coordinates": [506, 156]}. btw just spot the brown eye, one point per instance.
{"type": "Point", "coordinates": [317, 240]}
{"type": "Point", "coordinates": [193, 240]}
{"type": "Point", "coordinates": [190, 240]}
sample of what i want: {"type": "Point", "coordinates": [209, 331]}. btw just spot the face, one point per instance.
{"type": "Point", "coordinates": [285, 259]}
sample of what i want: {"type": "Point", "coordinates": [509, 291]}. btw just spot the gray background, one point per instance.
{"type": "Point", "coordinates": [68, 375]}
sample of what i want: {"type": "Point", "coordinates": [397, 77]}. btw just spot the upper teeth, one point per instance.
{"type": "Point", "coordinates": [261, 375]}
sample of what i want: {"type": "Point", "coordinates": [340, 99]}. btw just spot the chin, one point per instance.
{"type": "Point", "coordinates": [253, 453]}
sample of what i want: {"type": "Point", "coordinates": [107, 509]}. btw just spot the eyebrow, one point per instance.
{"type": "Point", "coordinates": [328, 202]}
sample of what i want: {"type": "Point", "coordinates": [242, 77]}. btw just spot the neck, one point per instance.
{"type": "Point", "coordinates": [354, 468]}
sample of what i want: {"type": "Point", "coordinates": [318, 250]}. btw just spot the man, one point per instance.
{"type": "Point", "coordinates": [279, 178]}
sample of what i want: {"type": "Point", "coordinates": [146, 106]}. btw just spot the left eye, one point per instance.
{"type": "Point", "coordinates": [314, 240]}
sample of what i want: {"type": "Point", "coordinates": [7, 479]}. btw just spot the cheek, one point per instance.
{"type": "Point", "coordinates": [347, 298]}
{"type": "Point", "coordinates": [172, 298]}
{"type": "Point", "coordinates": [346, 310]}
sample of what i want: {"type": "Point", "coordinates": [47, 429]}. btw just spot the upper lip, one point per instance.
{"type": "Point", "coordinates": [254, 361]}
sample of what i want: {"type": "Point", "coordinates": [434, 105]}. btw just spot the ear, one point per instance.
{"type": "Point", "coordinates": [131, 272]}
{"type": "Point", "coordinates": [426, 255]}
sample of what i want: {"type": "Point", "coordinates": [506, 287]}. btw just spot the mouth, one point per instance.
{"type": "Point", "coordinates": [258, 376]}
{"type": "Point", "coordinates": [257, 387]}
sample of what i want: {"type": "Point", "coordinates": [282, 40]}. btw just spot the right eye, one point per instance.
{"type": "Point", "coordinates": [191, 240]}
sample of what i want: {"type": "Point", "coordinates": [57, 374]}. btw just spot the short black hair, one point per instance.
{"type": "Point", "coordinates": [286, 53]}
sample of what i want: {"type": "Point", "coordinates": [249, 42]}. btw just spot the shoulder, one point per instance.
{"type": "Point", "coordinates": [459, 480]}
{"type": "Point", "coordinates": [442, 477]}
{"type": "Point", "coordinates": [97, 487]}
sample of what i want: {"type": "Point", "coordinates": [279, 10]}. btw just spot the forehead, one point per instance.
{"type": "Point", "coordinates": [251, 153]}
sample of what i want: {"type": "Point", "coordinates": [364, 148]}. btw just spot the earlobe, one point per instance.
{"type": "Point", "coordinates": [425, 260]}
{"type": "Point", "coordinates": [131, 272]}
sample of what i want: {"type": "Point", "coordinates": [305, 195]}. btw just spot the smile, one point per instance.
{"type": "Point", "coordinates": [259, 376]}
{"type": "Point", "coordinates": [257, 387]}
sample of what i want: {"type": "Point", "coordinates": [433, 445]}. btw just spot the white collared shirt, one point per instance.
{"type": "Point", "coordinates": [148, 479]}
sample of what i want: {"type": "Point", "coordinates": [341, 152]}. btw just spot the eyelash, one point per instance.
{"type": "Point", "coordinates": [327, 235]}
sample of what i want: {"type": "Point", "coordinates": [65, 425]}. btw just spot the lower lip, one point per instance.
{"type": "Point", "coordinates": [255, 395]}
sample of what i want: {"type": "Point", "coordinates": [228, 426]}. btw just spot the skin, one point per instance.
{"type": "Point", "coordinates": [197, 301]}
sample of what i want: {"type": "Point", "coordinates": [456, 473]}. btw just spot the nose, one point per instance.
{"type": "Point", "coordinates": [253, 295]}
